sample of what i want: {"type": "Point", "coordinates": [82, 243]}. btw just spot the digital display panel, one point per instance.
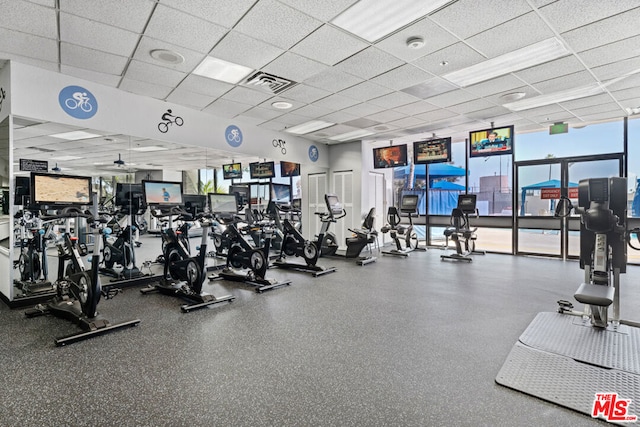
{"type": "Point", "coordinates": [162, 193]}
{"type": "Point", "coordinates": [491, 142]}
{"type": "Point", "coordinates": [262, 170]}
{"type": "Point", "coordinates": [289, 169]}
{"type": "Point", "coordinates": [390, 157]}
{"type": "Point", "coordinates": [434, 151]}
{"type": "Point", "coordinates": [232, 171]}
{"type": "Point", "coordinates": [281, 193]}
{"type": "Point", "coordinates": [223, 203]}
{"type": "Point", "coordinates": [55, 189]}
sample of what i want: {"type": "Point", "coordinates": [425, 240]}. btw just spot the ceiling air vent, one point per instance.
{"type": "Point", "coordinates": [268, 82]}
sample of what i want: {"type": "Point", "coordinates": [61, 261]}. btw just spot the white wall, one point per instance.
{"type": "Point", "coordinates": [348, 157]}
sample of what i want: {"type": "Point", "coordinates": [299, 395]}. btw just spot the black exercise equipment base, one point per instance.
{"type": "Point", "coordinates": [176, 289]}
{"type": "Point", "coordinates": [34, 288]}
{"type": "Point", "coordinates": [314, 270]}
{"type": "Point", "coordinates": [396, 252]}
{"type": "Point", "coordinates": [260, 284]}
{"type": "Point", "coordinates": [125, 274]}
{"type": "Point", "coordinates": [71, 310]}
{"type": "Point", "coordinates": [456, 257]}
{"type": "Point", "coordinates": [366, 260]}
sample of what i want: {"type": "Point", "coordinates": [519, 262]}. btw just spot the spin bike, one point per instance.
{"type": "Point", "coordinates": [183, 274]}
{"type": "Point", "coordinates": [409, 206]}
{"type": "Point", "coordinates": [460, 230]}
{"type": "Point", "coordinates": [242, 255]}
{"type": "Point", "coordinates": [78, 289]}
{"type": "Point", "coordinates": [602, 210]}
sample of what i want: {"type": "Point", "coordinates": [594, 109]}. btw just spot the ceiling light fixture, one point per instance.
{"type": "Point", "coordinates": [282, 105]}
{"type": "Point", "coordinates": [66, 158]}
{"type": "Point", "coordinates": [351, 135]}
{"type": "Point", "coordinates": [513, 96]}
{"type": "Point", "coordinates": [167, 56]}
{"type": "Point", "coordinates": [535, 54]}
{"type": "Point", "coordinates": [308, 127]}
{"type": "Point", "coordinates": [415, 42]}
{"type": "Point", "coordinates": [119, 163]}
{"type": "Point", "coordinates": [554, 98]}
{"type": "Point", "coordinates": [148, 148]}
{"type": "Point", "coordinates": [56, 168]}
{"type": "Point", "coordinates": [219, 69]}
{"type": "Point", "coordinates": [374, 19]}
{"type": "Point", "coordinates": [75, 135]}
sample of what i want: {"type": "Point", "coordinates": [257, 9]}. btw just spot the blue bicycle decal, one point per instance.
{"type": "Point", "coordinates": [78, 102]}
{"type": "Point", "coordinates": [233, 135]}
{"type": "Point", "coordinates": [313, 153]}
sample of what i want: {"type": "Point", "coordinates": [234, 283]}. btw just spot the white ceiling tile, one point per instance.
{"type": "Point", "coordinates": [487, 113]}
{"type": "Point", "coordinates": [416, 108]}
{"type": "Point", "coordinates": [205, 86]}
{"type": "Point", "coordinates": [434, 36]}
{"type": "Point", "coordinates": [222, 12]}
{"type": "Point", "coordinates": [467, 17]}
{"type": "Point", "coordinates": [277, 24]}
{"type": "Point", "coordinates": [386, 116]}
{"type": "Point", "coordinates": [332, 80]}
{"type": "Point", "coordinates": [246, 96]}
{"type": "Point", "coordinates": [407, 122]}
{"type": "Point", "coordinates": [339, 117]}
{"type": "Point", "coordinates": [496, 97]}
{"type": "Point", "coordinates": [184, 30]}
{"type": "Point", "coordinates": [143, 88]}
{"type": "Point", "coordinates": [313, 111]}
{"type": "Point", "coordinates": [564, 82]}
{"type": "Point", "coordinates": [41, 21]}
{"type": "Point", "coordinates": [620, 69]}
{"type": "Point", "coordinates": [365, 91]}
{"type": "Point", "coordinates": [322, 10]}
{"type": "Point", "coordinates": [433, 116]}
{"type": "Point", "coordinates": [452, 98]}
{"type": "Point", "coordinates": [393, 100]}
{"type": "Point", "coordinates": [567, 65]}
{"type": "Point", "coordinates": [611, 52]}
{"type": "Point", "coordinates": [294, 104]}
{"type": "Point", "coordinates": [89, 59]}
{"type": "Point", "coordinates": [456, 56]}
{"type": "Point", "coordinates": [27, 45]}
{"type": "Point", "coordinates": [244, 50]}
{"type": "Point", "coordinates": [262, 113]}
{"type": "Point", "coordinates": [432, 87]}
{"type": "Point", "coordinates": [294, 67]}
{"type": "Point", "coordinates": [154, 74]}
{"type": "Point", "coordinates": [329, 45]}
{"type": "Point", "coordinates": [227, 108]}
{"type": "Point", "coordinates": [402, 77]}
{"type": "Point", "coordinates": [92, 76]}
{"type": "Point", "coordinates": [275, 125]}
{"type": "Point", "coordinates": [499, 84]}
{"type": "Point", "coordinates": [369, 63]}
{"type": "Point", "coordinates": [494, 43]}
{"type": "Point", "coordinates": [336, 102]}
{"type": "Point", "coordinates": [364, 109]}
{"type": "Point", "coordinates": [292, 119]}
{"type": "Point", "coordinates": [587, 102]}
{"type": "Point", "coordinates": [566, 15]}
{"type": "Point", "coordinates": [467, 107]}
{"type": "Point", "coordinates": [611, 115]}
{"type": "Point", "coordinates": [189, 99]}
{"type": "Point", "coordinates": [609, 30]}
{"type": "Point", "coordinates": [595, 109]}
{"type": "Point", "coordinates": [304, 93]}
{"type": "Point", "coordinates": [625, 94]}
{"type": "Point", "coordinates": [252, 121]}
{"type": "Point", "coordinates": [103, 37]}
{"type": "Point", "coordinates": [148, 44]}
{"type": "Point", "coordinates": [132, 16]}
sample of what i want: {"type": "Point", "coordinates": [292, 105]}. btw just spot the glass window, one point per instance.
{"type": "Point", "coordinates": [634, 170]}
{"type": "Point", "coordinates": [445, 181]}
{"type": "Point", "coordinates": [490, 179]}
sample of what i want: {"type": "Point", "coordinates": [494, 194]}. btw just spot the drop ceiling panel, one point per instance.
{"type": "Point", "coordinates": [621, 69]}
{"type": "Point", "coordinates": [262, 22]}
{"type": "Point", "coordinates": [339, 117]}
{"type": "Point", "coordinates": [402, 77]}
{"type": "Point", "coordinates": [611, 52]}
{"type": "Point", "coordinates": [222, 12]}
{"type": "Point", "coordinates": [154, 74]}
{"type": "Point", "coordinates": [487, 113]}
{"type": "Point", "coordinates": [313, 111]}
{"type": "Point", "coordinates": [416, 108]}
{"type": "Point", "coordinates": [433, 116]}
{"type": "Point", "coordinates": [92, 76]}
{"type": "Point", "coordinates": [294, 67]}
{"type": "Point", "coordinates": [456, 56]}
{"type": "Point", "coordinates": [467, 107]}
{"type": "Point", "coordinates": [333, 80]}
{"type": "Point", "coordinates": [262, 113]}
{"type": "Point", "coordinates": [246, 96]}
{"type": "Point", "coordinates": [105, 38]}
{"type": "Point", "coordinates": [323, 10]}
{"type": "Point", "coordinates": [89, 59]}
{"type": "Point", "coordinates": [369, 63]}
{"type": "Point", "coordinates": [241, 49]}
{"type": "Point", "coordinates": [434, 36]}
{"type": "Point", "coordinates": [28, 45]}
{"type": "Point", "coordinates": [204, 86]}
{"type": "Point", "coordinates": [595, 109]}
{"type": "Point", "coordinates": [393, 100]}
{"type": "Point", "coordinates": [190, 99]}
{"type": "Point", "coordinates": [500, 84]}
{"type": "Point", "coordinates": [407, 122]}
{"type": "Point", "coordinates": [336, 102]}
{"type": "Point", "coordinates": [153, 90]}
{"type": "Point", "coordinates": [452, 98]}
{"type": "Point", "coordinates": [329, 45]}
{"type": "Point", "coordinates": [291, 119]}
{"type": "Point", "coordinates": [133, 17]}
{"type": "Point", "coordinates": [565, 82]}
{"type": "Point", "coordinates": [41, 21]}
{"type": "Point", "coordinates": [365, 91]}
{"type": "Point", "coordinates": [148, 44]}
{"type": "Point", "coordinates": [609, 30]}
{"type": "Point", "coordinates": [363, 109]}
{"type": "Point", "coordinates": [587, 102]}
{"type": "Point", "coordinates": [305, 93]}
{"type": "Point", "coordinates": [386, 116]}
{"type": "Point", "coordinates": [566, 15]}
{"type": "Point", "coordinates": [563, 66]}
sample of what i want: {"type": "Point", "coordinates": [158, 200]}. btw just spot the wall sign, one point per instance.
{"type": "Point", "coordinates": [34, 165]}
{"type": "Point", "coordinates": [233, 135]}
{"type": "Point", "coordinates": [78, 102]}
{"type": "Point", "coordinates": [169, 119]}
{"type": "Point", "coordinates": [280, 143]}
{"type": "Point", "coordinates": [313, 153]}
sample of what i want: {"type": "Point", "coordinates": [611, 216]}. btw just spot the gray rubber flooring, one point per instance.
{"type": "Point", "coordinates": [401, 342]}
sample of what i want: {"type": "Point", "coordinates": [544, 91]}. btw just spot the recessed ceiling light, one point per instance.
{"type": "Point", "coordinates": [282, 105]}
{"type": "Point", "coordinates": [444, 63]}
{"type": "Point", "coordinates": [66, 158]}
{"type": "Point", "coordinates": [74, 135]}
{"type": "Point", "coordinates": [513, 96]}
{"type": "Point", "coordinates": [415, 42]}
{"type": "Point", "coordinates": [167, 56]}
{"type": "Point", "coordinates": [148, 148]}
{"type": "Point", "coordinates": [219, 69]}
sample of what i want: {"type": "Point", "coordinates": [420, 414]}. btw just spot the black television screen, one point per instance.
{"type": "Point", "coordinates": [194, 203]}
{"type": "Point", "coordinates": [232, 171]}
{"type": "Point", "coordinates": [262, 170]}
{"type": "Point", "coordinates": [126, 193]}
{"type": "Point", "coordinates": [433, 151]}
{"type": "Point", "coordinates": [281, 193]}
{"type": "Point", "coordinates": [467, 203]}
{"type": "Point", "coordinates": [390, 157]}
{"type": "Point", "coordinates": [491, 142]}
{"type": "Point", "coordinates": [223, 203]}
{"type": "Point", "coordinates": [409, 203]}
{"type": "Point", "coordinates": [289, 169]}
{"type": "Point", "coordinates": [55, 189]}
{"type": "Point", "coordinates": [22, 190]}
{"type": "Point", "coordinates": [162, 193]}
{"type": "Point", "coordinates": [242, 192]}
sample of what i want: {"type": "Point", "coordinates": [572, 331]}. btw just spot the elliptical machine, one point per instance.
{"type": "Point", "coordinates": [32, 263]}
{"type": "Point", "coordinates": [460, 230]}
{"type": "Point", "coordinates": [183, 274]}
{"type": "Point", "coordinates": [408, 206]}
{"type": "Point", "coordinates": [603, 257]}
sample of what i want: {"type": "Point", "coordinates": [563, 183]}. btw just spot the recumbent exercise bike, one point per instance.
{"type": "Point", "coordinates": [460, 231]}
{"type": "Point", "coordinates": [408, 206]}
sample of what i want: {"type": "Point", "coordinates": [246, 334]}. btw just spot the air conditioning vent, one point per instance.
{"type": "Point", "coordinates": [268, 82]}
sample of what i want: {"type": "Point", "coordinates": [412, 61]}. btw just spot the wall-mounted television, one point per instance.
{"type": "Point", "coordinates": [289, 169]}
{"type": "Point", "coordinates": [56, 190]}
{"type": "Point", "coordinates": [162, 193]}
{"type": "Point", "coordinates": [281, 193]}
{"type": "Point", "coordinates": [232, 171]}
{"type": "Point", "coordinates": [390, 157]}
{"type": "Point", "coordinates": [128, 194]}
{"type": "Point", "coordinates": [433, 151]}
{"type": "Point", "coordinates": [491, 142]}
{"type": "Point", "coordinates": [22, 190]}
{"type": "Point", "coordinates": [262, 170]}
{"type": "Point", "coordinates": [223, 203]}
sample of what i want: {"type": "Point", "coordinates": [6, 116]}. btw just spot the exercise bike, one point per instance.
{"type": "Point", "coordinates": [120, 252]}
{"type": "Point", "coordinates": [602, 210]}
{"type": "Point", "coordinates": [183, 274]}
{"type": "Point", "coordinates": [460, 230]}
{"type": "Point", "coordinates": [409, 206]}
{"type": "Point", "coordinates": [78, 289]}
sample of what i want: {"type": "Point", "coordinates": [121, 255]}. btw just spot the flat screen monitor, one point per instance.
{"type": "Point", "coordinates": [333, 204]}
{"type": "Point", "coordinates": [56, 190]}
{"type": "Point", "coordinates": [194, 203]}
{"type": "Point", "coordinates": [409, 203]}
{"type": "Point", "coordinates": [390, 157]}
{"type": "Point", "coordinates": [433, 151]}
{"type": "Point", "coordinates": [262, 170]}
{"type": "Point", "coordinates": [126, 194]}
{"type": "Point", "coordinates": [491, 142]}
{"type": "Point", "coordinates": [242, 192]}
{"type": "Point", "coordinates": [232, 171]}
{"type": "Point", "coordinates": [162, 193]}
{"type": "Point", "coordinates": [223, 203]}
{"type": "Point", "coordinates": [281, 193]}
{"type": "Point", "coordinates": [289, 169]}
{"type": "Point", "coordinates": [467, 203]}
{"type": "Point", "coordinates": [22, 190]}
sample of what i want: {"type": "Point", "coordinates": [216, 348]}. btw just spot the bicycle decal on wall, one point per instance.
{"type": "Point", "coordinates": [280, 143]}
{"type": "Point", "coordinates": [313, 153]}
{"type": "Point", "coordinates": [233, 135]}
{"type": "Point", "coordinates": [169, 119]}
{"type": "Point", "coordinates": [78, 102]}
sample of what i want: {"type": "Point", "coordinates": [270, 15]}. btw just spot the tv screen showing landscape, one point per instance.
{"type": "Point", "coordinates": [54, 189]}
{"type": "Point", "coordinates": [162, 193]}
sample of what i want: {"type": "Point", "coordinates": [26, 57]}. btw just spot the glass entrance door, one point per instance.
{"type": "Point", "coordinates": [540, 184]}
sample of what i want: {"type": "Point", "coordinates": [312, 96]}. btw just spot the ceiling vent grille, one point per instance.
{"type": "Point", "coordinates": [268, 82]}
